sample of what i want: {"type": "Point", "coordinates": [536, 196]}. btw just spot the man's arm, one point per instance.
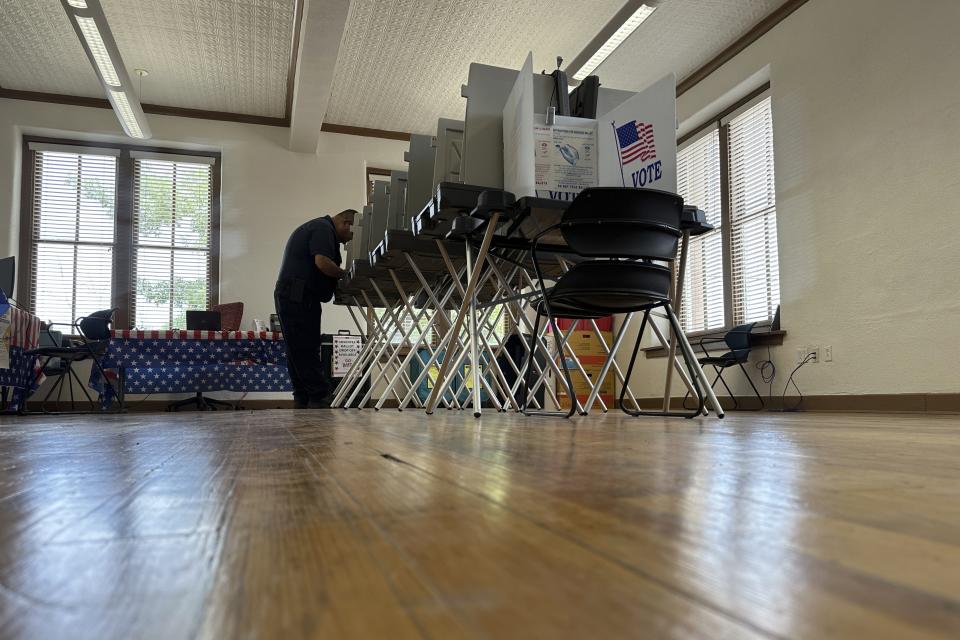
{"type": "Point", "coordinates": [328, 267]}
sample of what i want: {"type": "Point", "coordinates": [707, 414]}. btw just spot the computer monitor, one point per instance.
{"type": "Point", "coordinates": [8, 270]}
{"type": "Point", "coordinates": [203, 321]}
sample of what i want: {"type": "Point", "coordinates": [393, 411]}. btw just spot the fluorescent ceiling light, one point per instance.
{"type": "Point", "coordinates": [101, 56]}
{"type": "Point", "coordinates": [629, 26]}
{"type": "Point", "coordinates": [92, 29]}
{"type": "Point", "coordinates": [127, 117]}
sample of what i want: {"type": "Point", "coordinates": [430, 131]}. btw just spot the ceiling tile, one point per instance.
{"type": "Point", "coordinates": [217, 55]}
{"type": "Point", "coordinates": [402, 62]}
{"type": "Point", "coordinates": [400, 65]}
{"type": "Point", "coordinates": [680, 36]}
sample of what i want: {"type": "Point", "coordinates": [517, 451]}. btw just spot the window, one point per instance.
{"type": "Point", "coordinates": [732, 275]}
{"type": "Point", "coordinates": [115, 226]}
{"type": "Point", "coordinates": [171, 236]}
{"type": "Point", "coordinates": [72, 233]}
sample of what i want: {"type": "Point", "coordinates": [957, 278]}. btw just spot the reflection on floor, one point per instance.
{"type": "Point", "coordinates": [283, 524]}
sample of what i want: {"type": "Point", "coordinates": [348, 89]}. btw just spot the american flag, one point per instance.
{"type": "Point", "coordinates": [636, 142]}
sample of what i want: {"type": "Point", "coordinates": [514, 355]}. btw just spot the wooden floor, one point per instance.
{"type": "Point", "coordinates": [325, 524]}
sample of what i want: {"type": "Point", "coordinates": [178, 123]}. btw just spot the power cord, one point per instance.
{"type": "Point", "coordinates": [783, 398]}
{"type": "Point", "coordinates": [768, 373]}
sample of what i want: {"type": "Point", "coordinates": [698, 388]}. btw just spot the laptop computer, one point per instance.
{"type": "Point", "coordinates": [203, 321]}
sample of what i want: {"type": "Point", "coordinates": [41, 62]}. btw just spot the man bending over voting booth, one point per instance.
{"type": "Point", "coordinates": [308, 277]}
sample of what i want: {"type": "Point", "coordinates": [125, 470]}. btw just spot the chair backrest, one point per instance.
{"type": "Point", "coordinates": [231, 313]}
{"type": "Point", "coordinates": [50, 338]}
{"type": "Point", "coordinates": [619, 222]}
{"type": "Point", "coordinates": [739, 338]}
{"type": "Point", "coordinates": [96, 326]}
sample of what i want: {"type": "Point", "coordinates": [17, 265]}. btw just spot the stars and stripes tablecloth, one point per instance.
{"type": "Point", "coordinates": [177, 361]}
{"type": "Point", "coordinates": [20, 374]}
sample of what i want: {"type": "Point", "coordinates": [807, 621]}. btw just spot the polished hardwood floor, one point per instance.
{"type": "Point", "coordinates": [326, 524]}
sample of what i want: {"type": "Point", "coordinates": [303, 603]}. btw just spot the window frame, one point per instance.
{"type": "Point", "coordinates": [721, 122]}
{"type": "Point", "coordinates": [121, 291]}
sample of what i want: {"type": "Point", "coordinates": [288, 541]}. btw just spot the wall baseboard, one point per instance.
{"type": "Point", "coordinates": [871, 403]}
{"type": "Point", "coordinates": [868, 403]}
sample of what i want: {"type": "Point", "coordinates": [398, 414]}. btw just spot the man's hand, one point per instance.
{"type": "Point", "coordinates": [328, 267]}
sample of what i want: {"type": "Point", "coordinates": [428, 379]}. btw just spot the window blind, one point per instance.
{"type": "Point", "coordinates": [72, 234]}
{"type": "Point", "coordinates": [698, 182]}
{"type": "Point", "coordinates": [753, 215]}
{"type": "Point", "coordinates": [171, 241]}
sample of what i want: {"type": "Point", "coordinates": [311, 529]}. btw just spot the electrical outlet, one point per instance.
{"type": "Point", "coordinates": [814, 353]}
{"type": "Point", "coordinates": [801, 353]}
{"type": "Point", "coordinates": [828, 353]}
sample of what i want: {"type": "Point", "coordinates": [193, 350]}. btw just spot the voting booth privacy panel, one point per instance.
{"type": "Point", "coordinates": [437, 293]}
{"type": "Point", "coordinates": [632, 144]}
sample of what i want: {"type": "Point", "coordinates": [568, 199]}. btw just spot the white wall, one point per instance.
{"type": "Point", "coordinates": [267, 190]}
{"type": "Point", "coordinates": [866, 117]}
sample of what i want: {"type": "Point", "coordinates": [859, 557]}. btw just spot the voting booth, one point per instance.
{"type": "Point", "coordinates": [447, 243]}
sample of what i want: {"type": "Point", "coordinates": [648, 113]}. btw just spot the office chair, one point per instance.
{"type": "Point", "coordinates": [94, 338]}
{"type": "Point", "coordinates": [624, 231]}
{"type": "Point", "coordinates": [740, 341]}
{"type": "Point", "coordinates": [231, 314]}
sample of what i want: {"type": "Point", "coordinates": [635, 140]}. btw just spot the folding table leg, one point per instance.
{"type": "Point", "coordinates": [355, 376]}
{"type": "Point", "coordinates": [611, 362]}
{"type": "Point", "coordinates": [473, 277]}
{"type": "Point", "coordinates": [677, 365]}
{"type": "Point", "coordinates": [472, 331]}
{"type": "Point", "coordinates": [415, 347]}
{"type": "Point", "coordinates": [537, 340]}
{"type": "Point", "coordinates": [376, 359]}
{"type": "Point", "coordinates": [439, 307]}
{"type": "Point", "coordinates": [405, 340]}
{"type": "Point", "coordinates": [562, 342]}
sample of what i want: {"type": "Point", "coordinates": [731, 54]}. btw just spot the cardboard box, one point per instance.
{"type": "Point", "coordinates": [582, 388]}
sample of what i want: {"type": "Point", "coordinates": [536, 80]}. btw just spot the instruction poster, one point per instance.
{"type": "Point", "coordinates": [346, 348]}
{"type": "Point", "coordinates": [566, 157]}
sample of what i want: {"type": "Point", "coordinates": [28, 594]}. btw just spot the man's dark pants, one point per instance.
{"type": "Point", "coordinates": [300, 323]}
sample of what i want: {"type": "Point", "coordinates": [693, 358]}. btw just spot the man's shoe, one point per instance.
{"type": "Point", "coordinates": [320, 402]}
{"type": "Point", "coordinates": [300, 402]}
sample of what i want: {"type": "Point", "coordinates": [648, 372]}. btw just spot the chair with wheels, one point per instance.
{"type": "Point", "coordinates": [627, 234]}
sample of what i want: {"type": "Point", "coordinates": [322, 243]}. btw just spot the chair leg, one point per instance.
{"type": "Point", "coordinates": [56, 385]}
{"type": "Point", "coordinates": [633, 359]}
{"type": "Point", "coordinates": [73, 377]}
{"type": "Point", "coordinates": [563, 363]}
{"type": "Point", "coordinates": [675, 326]}
{"type": "Point", "coordinates": [689, 358]}
{"type": "Point", "coordinates": [530, 360]}
{"type": "Point", "coordinates": [73, 406]}
{"type": "Point", "coordinates": [753, 386]}
{"type": "Point", "coordinates": [719, 370]}
{"type": "Point", "coordinates": [213, 402]}
{"type": "Point", "coordinates": [572, 394]}
{"type": "Point", "coordinates": [116, 391]}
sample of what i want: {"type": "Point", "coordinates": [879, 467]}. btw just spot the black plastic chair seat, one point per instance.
{"type": "Point", "coordinates": [75, 353]}
{"type": "Point", "coordinates": [726, 360]}
{"type": "Point", "coordinates": [603, 287]}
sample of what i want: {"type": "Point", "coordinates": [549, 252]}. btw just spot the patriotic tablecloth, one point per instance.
{"type": "Point", "coordinates": [179, 361]}
{"type": "Point", "coordinates": [18, 372]}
